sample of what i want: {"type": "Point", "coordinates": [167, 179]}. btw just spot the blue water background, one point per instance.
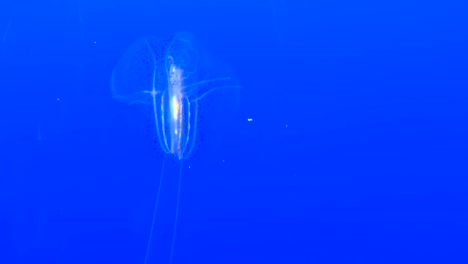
{"type": "Point", "coordinates": [356, 152]}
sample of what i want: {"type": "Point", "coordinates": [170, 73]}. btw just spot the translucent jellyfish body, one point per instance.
{"type": "Point", "coordinates": [171, 75]}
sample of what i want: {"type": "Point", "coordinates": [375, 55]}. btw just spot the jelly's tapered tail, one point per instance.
{"type": "Point", "coordinates": [155, 210]}
{"type": "Point", "coordinates": [177, 213]}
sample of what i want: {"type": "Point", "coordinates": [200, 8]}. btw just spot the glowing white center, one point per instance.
{"type": "Point", "coordinates": [176, 107]}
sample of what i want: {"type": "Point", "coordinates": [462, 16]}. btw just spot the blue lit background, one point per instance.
{"type": "Point", "coordinates": [356, 152]}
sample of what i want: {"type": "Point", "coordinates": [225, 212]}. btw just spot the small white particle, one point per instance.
{"type": "Point", "coordinates": [58, 99]}
{"type": "Point", "coordinates": [286, 125]}
{"type": "Point", "coordinates": [189, 167]}
{"type": "Point", "coordinates": [223, 160]}
{"type": "Point", "coordinates": [249, 119]}
{"type": "Point", "coordinates": [94, 42]}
